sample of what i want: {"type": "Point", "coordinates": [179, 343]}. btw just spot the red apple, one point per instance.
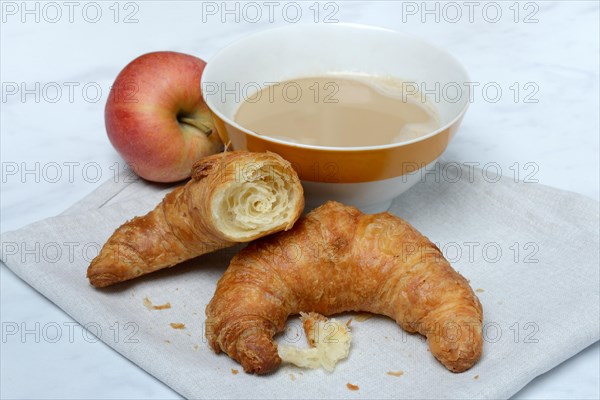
{"type": "Point", "coordinates": [156, 119]}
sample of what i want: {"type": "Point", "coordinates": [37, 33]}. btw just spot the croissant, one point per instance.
{"type": "Point", "coordinates": [232, 197]}
{"type": "Point", "coordinates": [337, 259]}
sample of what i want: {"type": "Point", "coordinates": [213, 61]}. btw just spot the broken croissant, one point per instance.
{"type": "Point", "coordinates": [232, 197]}
{"type": "Point", "coordinates": [338, 259]}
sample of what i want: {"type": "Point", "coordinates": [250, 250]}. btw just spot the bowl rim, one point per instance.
{"type": "Point", "coordinates": [270, 31]}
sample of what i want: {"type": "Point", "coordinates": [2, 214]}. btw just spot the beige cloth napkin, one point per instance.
{"type": "Point", "coordinates": [530, 251]}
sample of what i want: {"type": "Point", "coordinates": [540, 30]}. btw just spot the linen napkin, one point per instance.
{"type": "Point", "coordinates": [529, 251]}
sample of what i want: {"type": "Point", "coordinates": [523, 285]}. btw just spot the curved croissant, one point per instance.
{"type": "Point", "coordinates": [338, 259]}
{"type": "Point", "coordinates": [232, 197]}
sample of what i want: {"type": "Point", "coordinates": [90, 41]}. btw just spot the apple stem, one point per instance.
{"type": "Point", "coordinates": [207, 130]}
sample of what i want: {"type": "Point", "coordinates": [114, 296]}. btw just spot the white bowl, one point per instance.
{"type": "Point", "coordinates": [366, 177]}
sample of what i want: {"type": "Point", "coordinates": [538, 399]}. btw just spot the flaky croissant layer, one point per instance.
{"type": "Point", "coordinates": [338, 259]}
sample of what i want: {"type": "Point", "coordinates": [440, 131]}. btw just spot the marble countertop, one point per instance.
{"type": "Point", "coordinates": [59, 59]}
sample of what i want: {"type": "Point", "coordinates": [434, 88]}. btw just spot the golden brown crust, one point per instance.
{"type": "Point", "coordinates": [309, 324]}
{"type": "Point", "coordinates": [185, 224]}
{"type": "Point", "coordinates": [337, 259]}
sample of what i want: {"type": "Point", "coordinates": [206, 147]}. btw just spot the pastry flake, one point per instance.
{"type": "Point", "coordinates": [329, 342]}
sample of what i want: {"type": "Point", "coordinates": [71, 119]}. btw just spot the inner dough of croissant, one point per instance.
{"type": "Point", "coordinates": [329, 340]}
{"type": "Point", "coordinates": [260, 200]}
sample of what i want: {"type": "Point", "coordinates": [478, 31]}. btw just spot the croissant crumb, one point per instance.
{"type": "Point", "coordinates": [395, 373]}
{"type": "Point", "coordinates": [352, 387]}
{"type": "Point", "coordinates": [329, 340]}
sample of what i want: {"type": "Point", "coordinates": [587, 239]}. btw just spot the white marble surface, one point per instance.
{"type": "Point", "coordinates": [558, 54]}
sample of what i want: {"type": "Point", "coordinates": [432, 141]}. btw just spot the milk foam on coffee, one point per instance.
{"type": "Point", "coordinates": [339, 111]}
